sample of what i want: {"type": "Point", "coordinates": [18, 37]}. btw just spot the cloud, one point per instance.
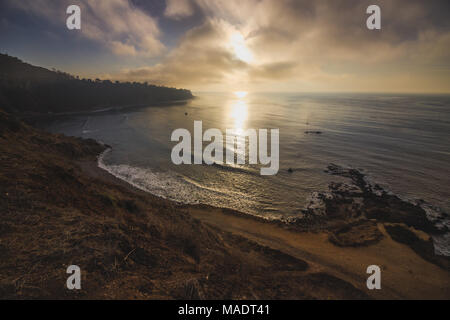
{"type": "Point", "coordinates": [267, 44]}
{"type": "Point", "coordinates": [318, 44]}
{"type": "Point", "coordinates": [178, 9]}
{"type": "Point", "coordinates": [202, 57]}
{"type": "Point", "coordinates": [273, 71]}
{"type": "Point", "coordinates": [119, 25]}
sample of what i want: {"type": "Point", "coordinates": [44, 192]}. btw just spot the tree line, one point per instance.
{"type": "Point", "coordinates": [27, 88]}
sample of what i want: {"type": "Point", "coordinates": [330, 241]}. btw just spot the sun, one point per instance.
{"type": "Point", "coordinates": [240, 94]}
{"type": "Point", "coordinates": [240, 49]}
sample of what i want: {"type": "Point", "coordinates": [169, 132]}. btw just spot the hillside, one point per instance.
{"type": "Point", "coordinates": [128, 244]}
{"type": "Point", "coordinates": [25, 88]}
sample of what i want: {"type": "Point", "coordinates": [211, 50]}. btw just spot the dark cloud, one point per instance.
{"type": "Point", "coordinates": [321, 44]}
{"type": "Point", "coordinates": [118, 24]}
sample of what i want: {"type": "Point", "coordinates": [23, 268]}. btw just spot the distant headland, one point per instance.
{"type": "Point", "coordinates": [29, 89]}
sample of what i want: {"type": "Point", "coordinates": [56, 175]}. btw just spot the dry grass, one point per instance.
{"type": "Point", "coordinates": [129, 245]}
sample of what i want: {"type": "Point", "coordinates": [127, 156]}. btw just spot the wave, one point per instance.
{"type": "Point", "coordinates": [170, 185]}
{"type": "Point", "coordinates": [160, 184]}
{"type": "Point", "coordinates": [181, 189]}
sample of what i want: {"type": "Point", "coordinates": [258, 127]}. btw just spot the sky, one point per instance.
{"type": "Point", "coordinates": [239, 45]}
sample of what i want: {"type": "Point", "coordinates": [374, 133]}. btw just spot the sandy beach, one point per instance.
{"type": "Point", "coordinates": [229, 157]}
{"type": "Point", "coordinates": [61, 209]}
{"type": "Point", "coordinates": [405, 275]}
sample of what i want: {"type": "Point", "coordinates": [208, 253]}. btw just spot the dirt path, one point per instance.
{"type": "Point", "coordinates": [405, 275]}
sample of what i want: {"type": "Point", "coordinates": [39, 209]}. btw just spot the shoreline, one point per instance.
{"type": "Point", "coordinates": [61, 209]}
{"type": "Point", "coordinates": [32, 117]}
{"type": "Point", "coordinates": [423, 216]}
{"type": "Point", "coordinates": [406, 275]}
{"type": "Point", "coordinates": [201, 206]}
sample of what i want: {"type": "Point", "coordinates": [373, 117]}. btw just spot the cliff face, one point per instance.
{"type": "Point", "coordinates": [128, 244]}
{"type": "Point", "coordinates": [31, 89]}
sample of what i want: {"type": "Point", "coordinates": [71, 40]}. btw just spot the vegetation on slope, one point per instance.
{"type": "Point", "coordinates": [128, 244]}
{"type": "Point", "coordinates": [31, 89]}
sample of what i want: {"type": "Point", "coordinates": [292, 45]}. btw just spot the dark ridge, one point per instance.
{"type": "Point", "coordinates": [25, 88]}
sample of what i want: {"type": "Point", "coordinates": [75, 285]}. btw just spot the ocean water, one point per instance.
{"type": "Point", "coordinates": [401, 142]}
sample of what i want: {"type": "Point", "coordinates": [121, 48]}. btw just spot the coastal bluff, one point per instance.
{"type": "Point", "coordinates": [29, 89]}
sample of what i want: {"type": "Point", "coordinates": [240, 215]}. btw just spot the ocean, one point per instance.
{"type": "Point", "coordinates": [401, 142]}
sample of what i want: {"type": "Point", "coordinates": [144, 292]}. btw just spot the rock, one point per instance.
{"type": "Point", "coordinates": [360, 233]}
{"type": "Point", "coordinates": [375, 204]}
{"type": "Point", "coordinates": [423, 248]}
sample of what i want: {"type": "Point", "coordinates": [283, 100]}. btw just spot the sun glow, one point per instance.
{"type": "Point", "coordinates": [240, 49]}
{"type": "Point", "coordinates": [238, 111]}
{"type": "Point", "coordinates": [238, 114]}
{"type": "Point", "coordinates": [240, 94]}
